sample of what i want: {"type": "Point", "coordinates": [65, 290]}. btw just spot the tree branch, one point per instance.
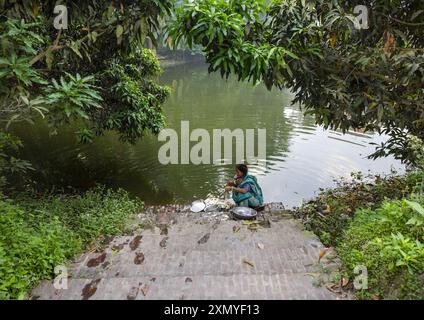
{"type": "Point", "coordinates": [52, 48]}
{"type": "Point", "coordinates": [412, 24]}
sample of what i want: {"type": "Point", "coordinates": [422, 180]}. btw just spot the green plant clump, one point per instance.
{"type": "Point", "coordinates": [329, 215]}
{"type": "Point", "coordinates": [38, 235]}
{"type": "Point", "coordinates": [389, 242]}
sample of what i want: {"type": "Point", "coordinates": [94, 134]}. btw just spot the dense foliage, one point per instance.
{"type": "Point", "coordinates": [10, 165]}
{"type": "Point", "coordinates": [38, 235]}
{"type": "Point", "coordinates": [389, 242]}
{"type": "Point", "coordinates": [376, 222]}
{"type": "Point", "coordinates": [99, 74]}
{"type": "Point", "coordinates": [329, 215]}
{"type": "Point", "coordinates": [349, 78]}
{"type": "Point", "coordinates": [96, 71]}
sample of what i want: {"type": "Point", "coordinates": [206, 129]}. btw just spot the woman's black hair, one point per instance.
{"type": "Point", "coordinates": [242, 168]}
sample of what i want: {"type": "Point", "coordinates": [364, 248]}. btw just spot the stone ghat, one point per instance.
{"type": "Point", "coordinates": [178, 255]}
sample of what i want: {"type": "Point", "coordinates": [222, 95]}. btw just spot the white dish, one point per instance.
{"type": "Point", "coordinates": [198, 206]}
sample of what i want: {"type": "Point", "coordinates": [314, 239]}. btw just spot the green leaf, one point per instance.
{"type": "Point", "coordinates": [75, 49]}
{"type": "Point", "coordinates": [412, 221]}
{"type": "Point", "coordinates": [119, 31]}
{"type": "Point", "coordinates": [94, 35]}
{"type": "Point", "coordinates": [49, 60]}
{"type": "Point", "coordinates": [415, 206]}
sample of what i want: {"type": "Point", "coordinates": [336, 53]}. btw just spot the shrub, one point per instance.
{"type": "Point", "coordinates": [30, 249]}
{"type": "Point", "coordinates": [330, 214]}
{"type": "Point", "coordinates": [389, 242]}
{"type": "Point", "coordinates": [97, 212]}
{"type": "Point", "coordinates": [37, 235]}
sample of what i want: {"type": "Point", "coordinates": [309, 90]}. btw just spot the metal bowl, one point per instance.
{"type": "Point", "coordinates": [244, 213]}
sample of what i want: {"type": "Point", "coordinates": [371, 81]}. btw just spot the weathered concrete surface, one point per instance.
{"type": "Point", "coordinates": [202, 256]}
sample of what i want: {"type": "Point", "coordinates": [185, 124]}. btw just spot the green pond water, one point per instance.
{"type": "Point", "coordinates": [301, 157]}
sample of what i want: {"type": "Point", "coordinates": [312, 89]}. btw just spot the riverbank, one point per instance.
{"type": "Point", "coordinates": [169, 59]}
{"type": "Point", "coordinates": [376, 222]}
{"type": "Point", "coordinates": [180, 255]}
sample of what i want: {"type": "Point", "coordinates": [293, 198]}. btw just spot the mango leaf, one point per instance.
{"type": "Point", "coordinates": [416, 14]}
{"type": "Point", "coordinates": [75, 49]}
{"type": "Point", "coordinates": [49, 59]}
{"type": "Point", "coordinates": [94, 35]}
{"type": "Point", "coordinates": [119, 31]}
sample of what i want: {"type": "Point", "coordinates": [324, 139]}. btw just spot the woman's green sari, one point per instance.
{"type": "Point", "coordinates": [253, 198]}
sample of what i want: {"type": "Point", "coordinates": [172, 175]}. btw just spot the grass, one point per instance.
{"type": "Point", "coordinates": [36, 235]}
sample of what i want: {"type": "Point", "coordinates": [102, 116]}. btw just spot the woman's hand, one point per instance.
{"type": "Point", "coordinates": [229, 188]}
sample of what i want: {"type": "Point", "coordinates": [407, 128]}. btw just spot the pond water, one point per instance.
{"type": "Point", "coordinates": [301, 157]}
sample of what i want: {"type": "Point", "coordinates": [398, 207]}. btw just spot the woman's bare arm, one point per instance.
{"type": "Point", "coordinates": [239, 190]}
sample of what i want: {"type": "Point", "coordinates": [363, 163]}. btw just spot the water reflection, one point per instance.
{"type": "Point", "coordinates": [301, 157]}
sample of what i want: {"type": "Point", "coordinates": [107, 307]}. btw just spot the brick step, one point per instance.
{"type": "Point", "coordinates": [197, 262]}
{"type": "Point", "coordinates": [296, 286]}
{"type": "Point", "coordinates": [214, 242]}
{"type": "Point", "coordinates": [183, 225]}
{"type": "Point", "coordinates": [200, 259]}
{"type": "Point", "coordinates": [222, 236]}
